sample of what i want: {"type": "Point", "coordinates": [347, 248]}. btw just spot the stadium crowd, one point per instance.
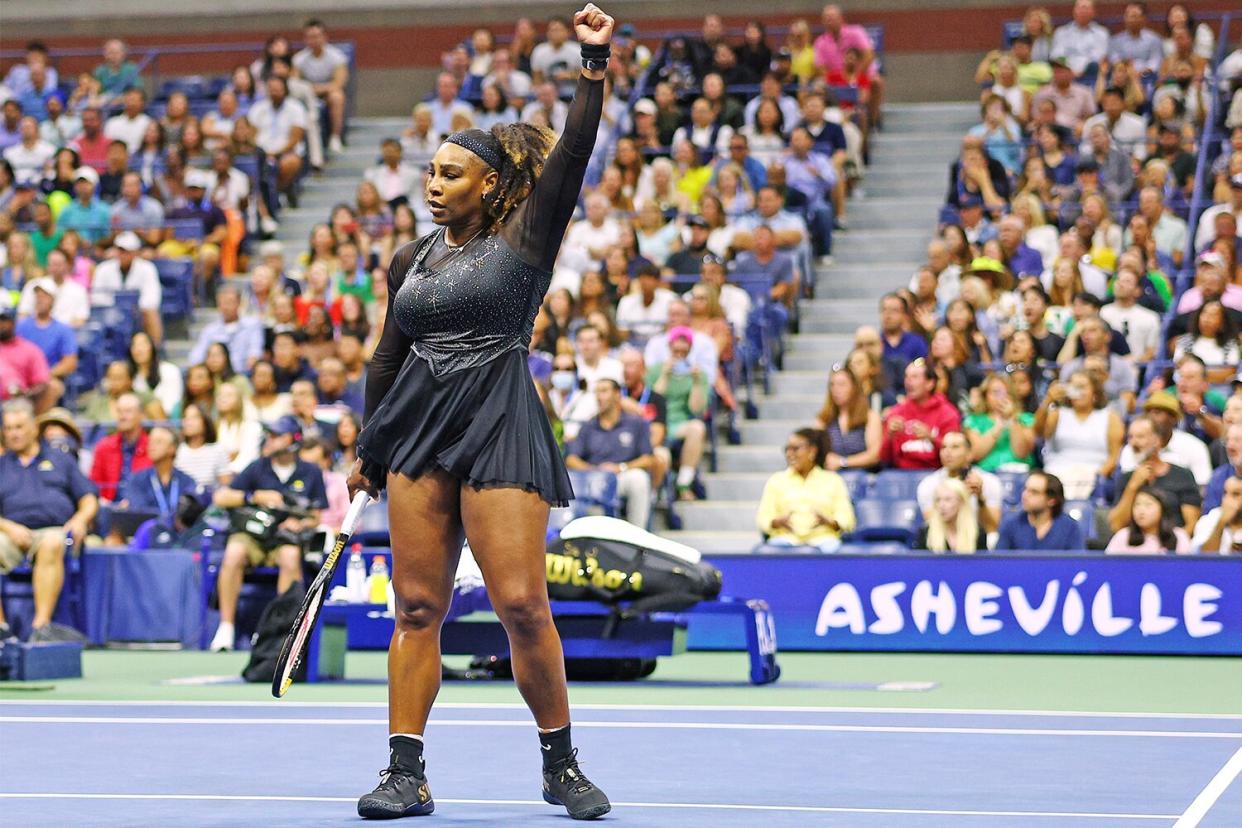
{"type": "Point", "coordinates": [1053, 333]}
{"type": "Point", "coordinates": [1062, 372]}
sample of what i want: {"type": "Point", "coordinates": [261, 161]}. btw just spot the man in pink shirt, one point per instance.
{"type": "Point", "coordinates": [92, 144]}
{"type": "Point", "coordinates": [831, 46]}
{"type": "Point", "coordinates": [1211, 283]}
{"type": "Point", "coordinates": [23, 368]}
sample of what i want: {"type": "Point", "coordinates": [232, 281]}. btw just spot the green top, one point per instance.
{"type": "Point", "coordinates": [44, 244]}
{"type": "Point", "coordinates": [360, 288]}
{"type": "Point", "coordinates": [1001, 453]}
{"type": "Point", "coordinates": [677, 396]}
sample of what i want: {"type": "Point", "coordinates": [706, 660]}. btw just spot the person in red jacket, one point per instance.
{"type": "Point", "coordinates": [914, 427]}
{"type": "Point", "coordinates": [123, 452]}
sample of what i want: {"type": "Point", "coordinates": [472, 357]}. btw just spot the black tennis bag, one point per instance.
{"type": "Point", "coordinates": [269, 636]}
{"type": "Point", "coordinates": [608, 560]}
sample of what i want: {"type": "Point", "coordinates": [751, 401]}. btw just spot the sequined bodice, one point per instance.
{"type": "Point", "coordinates": [463, 307]}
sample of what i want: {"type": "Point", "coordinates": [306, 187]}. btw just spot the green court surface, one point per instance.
{"type": "Point", "coordinates": [985, 682]}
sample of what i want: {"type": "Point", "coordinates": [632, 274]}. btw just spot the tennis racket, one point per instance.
{"type": "Point", "coordinates": [294, 650]}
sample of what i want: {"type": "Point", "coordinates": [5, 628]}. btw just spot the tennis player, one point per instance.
{"type": "Point", "coordinates": [455, 430]}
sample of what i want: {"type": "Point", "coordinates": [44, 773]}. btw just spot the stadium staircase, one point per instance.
{"type": "Point", "coordinates": [890, 223]}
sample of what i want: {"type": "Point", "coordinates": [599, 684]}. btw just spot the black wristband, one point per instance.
{"type": "Point", "coordinates": [596, 51]}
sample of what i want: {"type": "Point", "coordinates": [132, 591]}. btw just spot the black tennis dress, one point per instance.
{"type": "Point", "coordinates": [449, 386]}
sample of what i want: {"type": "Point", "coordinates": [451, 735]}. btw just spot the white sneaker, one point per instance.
{"type": "Point", "coordinates": [223, 639]}
{"type": "Point", "coordinates": [268, 225]}
{"type": "Point", "coordinates": [825, 261]}
{"type": "Point", "coordinates": [335, 146]}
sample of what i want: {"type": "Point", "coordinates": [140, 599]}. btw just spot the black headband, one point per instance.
{"type": "Point", "coordinates": [482, 144]}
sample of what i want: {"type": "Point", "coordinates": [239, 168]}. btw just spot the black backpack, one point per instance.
{"type": "Point", "coordinates": [269, 637]}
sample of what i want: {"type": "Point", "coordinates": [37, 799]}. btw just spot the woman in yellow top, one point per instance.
{"type": "Point", "coordinates": [806, 505]}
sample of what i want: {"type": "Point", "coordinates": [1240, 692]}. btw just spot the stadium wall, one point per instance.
{"type": "Point", "coordinates": [931, 47]}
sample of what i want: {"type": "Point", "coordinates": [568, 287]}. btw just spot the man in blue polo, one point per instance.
{"type": "Point", "coordinates": [43, 497]}
{"type": "Point", "coordinates": [1041, 526]}
{"type": "Point", "coordinates": [86, 214]}
{"type": "Point", "coordinates": [620, 443]}
{"type": "Point", "coordinates": [278, 481]}
{"type": "Point", "coordinates": [158, 489]}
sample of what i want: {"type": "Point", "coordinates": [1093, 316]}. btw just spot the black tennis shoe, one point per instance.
{"type": "Point", "coordinates": [401, 792]}
{"type": "Point", "coordinates": [565, 784]}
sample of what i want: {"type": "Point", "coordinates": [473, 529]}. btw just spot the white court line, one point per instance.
{"type": "Point", "coordinates": [714, 806]}
{"type": "Point", "coordinates": [1208, 796]}
{"type": "Point", "coordinates": [725, 708]}
{"type": "Point", "coordinates": [628, 725]}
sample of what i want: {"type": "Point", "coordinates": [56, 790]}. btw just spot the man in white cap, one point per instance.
{"type": "Point", "coordinates": [204, 250]}
{"type": "Point", "coordinates": [56, 340]}
{"type": "Point", "coordinates": [72, 305]}
{"type": "Point", "coordinates": [86, 215]}
{"type": "Point", "coordinates": [129, 271]}
{"type": "Point", "coordinates": [1205, 234]}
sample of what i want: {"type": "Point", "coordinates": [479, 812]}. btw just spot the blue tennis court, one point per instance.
{"type": "Point", "coordinates": [291, 763]}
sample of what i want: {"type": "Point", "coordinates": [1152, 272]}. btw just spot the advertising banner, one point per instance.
{"type": "Point", "coordinates": [988, 603]}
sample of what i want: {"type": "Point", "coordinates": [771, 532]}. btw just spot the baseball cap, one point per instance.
{"type": "Point", "coordinates": [128, 241]}
{"type": "Point", "coordinates": [969, 200]}
{"type": "Point", "coordinates": [272, 247]}
{"type": "Point", "coordinates": [645, 106]}
{"type": "Point", "coordinates": [1054, 62]}
{"type": "Point", "coordinates": [697, 221]}
{"type": "Point", "coordinates": [86, 172]}
{"type": "Point", "coordinates": [681, 332]}
{"type": "Point", "coordinates": [1236, 181]}
{"type": "Point", "coordinates": [7, 309]}
{"type": "Point", "coordinates": [197, 178]}
{"type": "Point", "coordinates": [26, 184]}
{"type": "Point", "coordinates": [1164, 401]}
{"type": "Point", "coordinates": [1210, 258]}
{"type": "Point", "coordinates": [1087, 164]}
{"type": "Point", "coordinates": [46, 284]}
{"type": "Point", "coordinates": [287, 424]}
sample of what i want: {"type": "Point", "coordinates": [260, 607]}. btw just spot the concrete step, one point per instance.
{"type": "Point", "coordinates": [766, 433]}
{"type": "Point", "coordinates": [718, 515]}
{"type": "Point", "coordinates": [709, 543]}
{"type": "Point", "coordinates": [786, 407]}
{"type": "Point", "coordinates": [915, 147]}
{"type": "Point", "coordinates": [854, 280]}
{"type": "Point", "coordinates": [883, 212]}
{"type": "Point", "coordinates": [751, 458]}
{"type": "Point", "coordinates": [809, 382]}
{"type": "Point", "coordinates": [736, 485]}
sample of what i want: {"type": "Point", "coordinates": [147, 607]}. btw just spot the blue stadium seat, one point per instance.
{"type": "Point", "coordinates": [177, 280]}
{"type": "Point", "coordinates": [19, 582]}
{"type": "Point", "coordinates": [886, 520]}
{"type": "Point", "coordinates": [1083, 513]}
{"type": "Point", "coordinates": [186, 229]}
{"type": "Point", "coordinates": [857, 481]}
{"type": "Point", "coordinates": [896, 484]}
{"type": "Point", "coordinates": [594, 490]}
{"type": "Point", "coordinates": [1011, 488]}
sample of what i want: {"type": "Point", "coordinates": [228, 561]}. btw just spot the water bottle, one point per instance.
{"type": "Point", "coordinates": [356, 575]}
{"type": "Point", "coordinates": [379, 580]}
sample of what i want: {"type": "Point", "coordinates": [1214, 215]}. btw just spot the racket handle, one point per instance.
{"type": "Point", "coordinates": [361, 501]}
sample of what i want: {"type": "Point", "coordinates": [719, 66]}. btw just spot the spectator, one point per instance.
{"type": "Point", "coordinates": [705, 131]}
{"type": "Point", "coordinates": [333, 389]}
{"type": "Point", "coordinates": [129, 271]}
{"type": "Point", "coordinates": [1151, 529]}
{"type": "Point", "coordinates": [1002, 437]}
{"type": "Point", "coordinates": [1211, 284]}
{"type": "Point", "coordinates": [1205, 233]}
{"type": "Point", "coordinates": [395, 180]}
{"type": "Point", "coordinates": [1139, 325]}
{"type": "Point", "coordinates": [346, 439]}
{"type": "Point", "coordinates": [1019, 258]}
{"type": "Point", "coordinates": [281, 123]}
{"type": "Point", "coordinates": [304, 404]}
{"type": "Point", "coordinates": [199, 454]}
{"type": "Point", "coordinates": [1148, 438]}
{"type": "Point", "coordinates": [44, 500]}
{"type": "Point", "coordinates": [805, 505]}
{"type": "Point", "coordinates": [831, 48]}
{"type": "Point", "coordinates": [854, 429]}
{"type": "Point", "coordinates": [1136, 43]}
{"type": "Point", "coordinates": [154, 376]}
{"type": "Point", "coordinates": [20, 77]}
{"type": "Point", "coordinates": [1168, 231]}
{"type": "Point", "coordinates": [71, 305]}
{"type": "Point", "coordinates": [704, 351]}
{"type": "Point", "coordinates": [137, 212]}
{"type": "Point", "coordinates": [1220, 530]}
{"type": "Point", "coordinates": [1083, 437]}
{"type": "Point", "coordinates": [1231, 465]}
{"type": "Point", "coordinates": [733, 300]}
{"type": "Point", "coordinates": [86, 215]}
{"type": "Point", "coordinates": [777, 266]}
{"type": "Point", "coordinates": [1073, 102]}
{"type": "Point", "coordinates": [951, 527]}
{"type": "Point", "coordinates": [1041, 525]}
{"type": "Point", "coordinates": [242, 334]}
{"type": "Point", "coordinates": [984, 488]}
{"type": "Point", "coordinates": [116, 166]}
{"type": "Point", "coordinates": [91, 145]}
{"type": "Point", "coordinates": [914, 428]}
{"type": "Point", "coordinates": [685, 387]}
{"type": "Point", "coordinates": [57, 340]}
{"type": "Point", "coordinates": [1082, 44]}
{"type": "Point", "coordinates": [556, 59]}
{"type": "Point", "coordinates": [157, 489]}
{"type": "Point", "coordinates": [30, 158]}
{"type": "Point", "coordinates": [277, 481]}
{"type": "Point", "coordinates": [327, 69]}
{"type": "Point", "coordinates": [24, 370]}
{"type": "Point", "coordinates": [124, 452]}
{"type": "Point", "coordinates": [116, 75]}
{"type": "Point", "coordinates": [513, 84]}
{"type": "Point", "coordinates": [131, 124]}
{"type": "Point", "coordinates": [1094, 335]}
{"type": "Point", "coordinates": [1127, 130]}
{"type": "Point", "coordinates": [336, 489]}
{"type": "Point", "coordinates": [590, 238]}
{"type": "Point", "coordinates": [617, 442]}
{"type": "Point", "coordinates": [901, 347]}
{"type": "Point", "coordinates": [1212, 337]}
{"type": "Point", "coordinates": [644, 313]}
